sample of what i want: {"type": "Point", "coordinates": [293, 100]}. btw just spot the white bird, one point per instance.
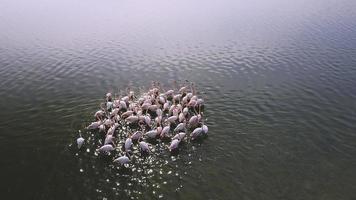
{"type": "Point", "coordinates": [122, 160]}
{"type": "Point", "coordinates": [111, 130]}
{"type": "Point", "coordinates": [145, 106]}
{"type": "Point", "coordinates": [172, 119]}
{"type": "Point", "coordinates": [125, 99]}
{"type": "Point", "coordinates": [116, 104]}
{"type": "Point", "coordinates": [94, 125]}
{"type": "Point", "coordinates": [80, 141]}
{"type": "Point", "coordinates": [122, 105]}
{"type": "Point", "coordinates": [169, 93]}
{"type": "Point", "coordinates": [128, 144]}
{"type": "Point", "coordinates": [99, 114]}
{"type": "Point", "coordinates": [106, 148]}
{"type": "Point", "coordinates": [137, 135]}
{"type": "Point", "coordinates": [152, 134]}
{"type": "Point", "coordinates": [109, 105]}
{"type": "Point", "coordinates": [184, 100]}
{"type": "Point", "coordinates": [117, 118]}
{"type": "Point", "coordinates": [177, 97]}
{"type": "Point", "coordinates": [127, 114]}
{"type": "Point", "coordinates": [166, 106]}
{"type": "Point", "coordinates": [159, 112]}
{"type": "Point", "coordinates": [179, 127]}
{"type": "Point", "coordinates": [170, 111]}
{"type": "Point", "coordinates": [109, 139]}
{"type": "Point", "coordinates": [148, 120]}
{"type": "Point", "coordinates": [192, 103]}
{"type": "Point", "coordinates": [179, 107]}
{"type": "Point", "coordinates": [108, 96]}
{"type": "Point", "coordinates": [162, 100]}
{"type": "Point", "coordinates": [200, 102]}
{"type": "Point", "coordinates": [185, 111]}
{"type": "Point", "coordinates": [181, 117]}
{"type": "Point", "coordinates": [179, 136]}
{"type": "Point", "coordinates": [132, 119]}
{"type": "Point", "coordinates": [183, 90]}
{"type": "Point", "coordinates": [196, 133]}
{"type": "Point", "coordinates": [102, 128]}
{"type": "Point", "coordinates": [174, 144]}
{"type": "Point", "coordinates": [189, 95]}
{"type": "Point", "coordinates": [131, 95]}
{"type": "Point", "coordinates": [194, 120]}
{"type": "Point", "coordinates": [158, 119]}
{"type": "Point", "coordinates": [141, 100]}
{"type": "Point", "coordinates": [165, 131]}
{"type": "Point", "coordinates": [144, 147]}
{"type": "Point", "coordinates": [205, 129]}
{"type": "Point", "coordinates": [108, 122]}
{"type": "Point", "coordinates": [132, 106]}
{"type": "Point", "coordinates": [114, 112]}
{"type": "Point", "coordinates": [153, 108]}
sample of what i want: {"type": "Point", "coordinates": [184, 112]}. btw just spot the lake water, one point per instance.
{"type": "Point", "coordinates": [278, 78]}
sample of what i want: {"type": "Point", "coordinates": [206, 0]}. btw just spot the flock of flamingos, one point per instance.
{"type": "Point", "coordinates": [170, 116]}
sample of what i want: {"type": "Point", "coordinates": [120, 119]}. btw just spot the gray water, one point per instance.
{"type": "Point", "coordinates": [278, 78]}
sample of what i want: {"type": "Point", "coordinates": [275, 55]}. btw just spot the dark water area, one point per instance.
{"type": "Point", "coordinates": [278, 78]}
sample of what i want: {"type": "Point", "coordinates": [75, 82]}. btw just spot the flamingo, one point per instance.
{"type": "Point", "coordinates": [169, 93]}
{"type": "Point", "coordinates": [147, 119]}
{"type": "Point", "coordinates": [108, 96]}
{"type": "Point", "coordinates": [109, 139]}
{"type": "Point", "coordinates": [205, 129]}
{"type": "Point", "coordinates": [165, 131]}
{"type": "Point", "coordinates": [166, 106]}
{"type": "Point", "coordinates": [194, 121]}
{"type": "Point", "coordinates": [99, 114]}
{"type": "Point", "coordinates": [174, 144]}
{"type": "Point", "coordinates": [159, 112]}
{"type": "Point", "coordinates": [127, 114]}
{"type": "Point", "coordinates": [132, 119]}
{"type": "Point", "coordinates": [131, 95]}
{"type": "Point", "coordinates": [80, 140]}
{"type": "Point", "coordinates": [161, 99]}
{"type": "Point", "coordinates": [158, 119]}
{"type": "Point", "coordinates": [185, 111]}
{"type": "Point", "coordinates": [144, 147]}
{"type": "Point", "coordinates": [128, 145]}
{"type": "Point", "coordinates": [172, 119]}
{"type": "Point", "coordinates": [153, 108]}
{"type": "Point", "coordinates": [122, 105]}
{"type": "Point", "coordinates": [180, 127]}
{"type": "Point", "coordinates": [179, 136]}
{"type": "Point", "coordinates": [122, 160]}
{"type": "Point", "coordinates": [94, 125]}
{"type": "Point", "coordinates": [136, 136]}
{"type": "Point", "coordinates": [183, 90]}
{"type": "Point", "coordinates": [152, 134]}
{"type": "Point", "coordinates": [125, 99]}
{"type": "Point", "coordinates": [112, 129]}
{"type": "Point", "coordinates": [196, 133]}
{"type": "Point", "coordinates": [109, 105]}
{"type": "Point", "coordinates": [102, 128]}
{"type": "Point", "coordinates": [181, 117]}
{"type": "Point", "coordinates": [106, 148]}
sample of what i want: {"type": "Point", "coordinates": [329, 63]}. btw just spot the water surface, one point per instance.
{"type": "Point", "coordinates": [278, 79]}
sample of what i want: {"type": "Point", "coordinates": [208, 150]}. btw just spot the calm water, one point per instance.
{"type": "Point", "coordinates": [278, 77]}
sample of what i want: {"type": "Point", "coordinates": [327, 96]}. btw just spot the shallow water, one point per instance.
{"type": "Point", "coordinates": [278, 79]}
